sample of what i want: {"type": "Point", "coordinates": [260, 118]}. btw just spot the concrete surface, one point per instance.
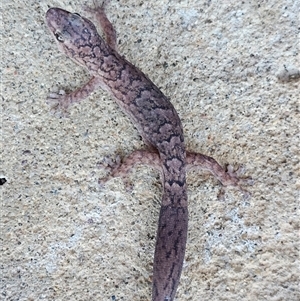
{"type": "Point", "coordinates": [231, 69]}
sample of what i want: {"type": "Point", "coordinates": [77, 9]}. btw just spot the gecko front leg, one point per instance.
{"type": "Point", "coordinates": [106, 26]}
{"type": "Point", "coordinates": [60, 102]}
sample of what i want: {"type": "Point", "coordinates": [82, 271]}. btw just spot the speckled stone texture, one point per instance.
{"type": "Point", "coordinates": [231, 70]}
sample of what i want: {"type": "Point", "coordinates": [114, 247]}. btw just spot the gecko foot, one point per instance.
{"type": "Point", "coordinates": [109, 165]}
{"type": "Point", "coordinates": [238, 175]}
{"type": "Point", "coordinates": [235, 178]}
{"type": "Point", "coordinates": [58, 102]}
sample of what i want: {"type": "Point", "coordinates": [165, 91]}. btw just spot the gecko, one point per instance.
{"type": "Point", "coordinates": [158, 123]}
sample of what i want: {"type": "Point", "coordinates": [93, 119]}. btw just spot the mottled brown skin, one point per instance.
{"type": "Point", "coordinates": [158, 123]}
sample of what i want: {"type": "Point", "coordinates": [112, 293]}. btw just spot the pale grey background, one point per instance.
{"type": "Point", "coordinates": [223, 65]}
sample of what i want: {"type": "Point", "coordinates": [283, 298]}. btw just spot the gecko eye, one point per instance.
{"type": "Point", "coordinates": [77, 14]}
{"type": "Point", "coordinates": [59, 37]}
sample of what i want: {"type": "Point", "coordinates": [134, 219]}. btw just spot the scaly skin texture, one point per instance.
{"type": "Point", "coordinates": [156, 120]}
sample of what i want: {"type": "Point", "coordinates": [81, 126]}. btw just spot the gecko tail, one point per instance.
{"type": "Point", "coordinates": [169, 252]}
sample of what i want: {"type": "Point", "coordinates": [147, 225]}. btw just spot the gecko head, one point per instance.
{"type": "Point", "coordinates": [74, 34]}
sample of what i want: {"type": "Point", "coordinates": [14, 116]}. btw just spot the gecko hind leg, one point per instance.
{"type": "Point", "coordinates": [195, 161]}
{"type": "Point", "coordinates": [227, 176]}
{"type": "Point", "coordinates": [138, 157]}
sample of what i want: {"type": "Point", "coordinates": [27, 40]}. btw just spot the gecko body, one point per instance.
{"type": "Point", "coordinates": [156, 120]}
